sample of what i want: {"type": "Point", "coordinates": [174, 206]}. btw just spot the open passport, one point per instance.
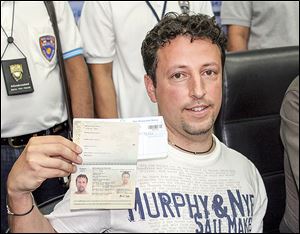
{"type": "Point", "coordinates": [111, 148]}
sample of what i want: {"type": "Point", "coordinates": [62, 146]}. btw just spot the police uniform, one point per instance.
{"type": "Point", "coordinates": [42, 110]}
{"type": "Point", "coordinates": [117, 34]}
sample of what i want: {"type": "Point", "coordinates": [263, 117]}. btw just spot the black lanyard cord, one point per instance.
{"type": "Point", "coordinates": [154, 12]}
{"type": "Point", "coordinates": [4, 52]}
{"type": "Point", "coordinates": [12, 22]}
{"type": "Point", "coordinates": [10, 38]}
{"type": "Point", "coordinates": [13, 19]}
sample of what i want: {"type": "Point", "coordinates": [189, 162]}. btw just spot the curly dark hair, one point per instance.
{"type": "Point", "coordinates": [197, 26]}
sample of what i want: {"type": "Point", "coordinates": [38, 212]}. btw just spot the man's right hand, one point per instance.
{"type": "Point", "coordinates": [44, 157]}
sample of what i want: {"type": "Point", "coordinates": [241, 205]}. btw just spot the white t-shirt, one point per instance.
{"type": "Point", "coordinates": [45, 107]}
{"type": "Point", "coordinates": [217, 192]}
{"type": "Point", "coordinates": [114, 31]}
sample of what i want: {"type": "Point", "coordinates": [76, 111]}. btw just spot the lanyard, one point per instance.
{"type": "Point", "coordinates": [154, 12]}
{"type": "Point", "coordinates": [10, 38]}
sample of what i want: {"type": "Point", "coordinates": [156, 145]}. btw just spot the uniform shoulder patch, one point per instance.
{"type": "Point", "coordinates": [47, 45]}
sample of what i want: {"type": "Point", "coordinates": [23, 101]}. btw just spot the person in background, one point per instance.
{"type": "Point", "coordinates": [76, 7]}
{"type": "Point", "coordinates": [32, 101]}
{"type": "Point", "coordinates": [201, 186]}
{"type": "Point", "coordinates": [289, 131]}
{"type": "Point", "coordinates": [112, 32]}
{"type": "Point", "coordinates": [260, 24]}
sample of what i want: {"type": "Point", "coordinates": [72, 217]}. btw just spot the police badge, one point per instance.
{"type": "Point", "coordinates": [47, 45]}
{"type": "Point", "coordinates": [16, 76]}
{"type": "Point", "coordinates": [16, 71]}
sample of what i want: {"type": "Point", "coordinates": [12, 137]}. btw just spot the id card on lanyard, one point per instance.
{"type": "Point", "coordinates": [15, 71]}
{"type": "Point", "coordinates": [16, 76]}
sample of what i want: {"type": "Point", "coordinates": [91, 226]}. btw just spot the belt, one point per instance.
{"type": "Point", "coordinates": [21, 141]}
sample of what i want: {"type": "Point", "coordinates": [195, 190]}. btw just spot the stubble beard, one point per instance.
{"type": "Point", "coordinates": [81, 189]}
{"type": "Point", "coordinates": [195, 130]}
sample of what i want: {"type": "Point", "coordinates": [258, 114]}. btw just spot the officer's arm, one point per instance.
{"type": "Point", "coordinates": [238, 37]}
{"type": "Point", "coordinates": [79, 87]}
{"type": "Point", "coordinates": [104, 90]}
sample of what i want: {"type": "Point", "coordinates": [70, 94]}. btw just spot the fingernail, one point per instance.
{"type": "Point", "coordinates": [78, 149]}
{"type": "Point", "coordinates": [79, 159]}
{"type": "Point", "coordinates": [74, 168]}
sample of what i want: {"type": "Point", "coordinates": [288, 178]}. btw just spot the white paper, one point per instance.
{"type": "Point", "coordinates": [153, 136]}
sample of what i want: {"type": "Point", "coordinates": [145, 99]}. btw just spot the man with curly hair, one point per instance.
{"type": "Point", "coordinates": [201, 186]}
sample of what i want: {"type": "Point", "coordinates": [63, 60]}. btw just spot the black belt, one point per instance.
{"type": "Point", "coordinates": [20, 141]}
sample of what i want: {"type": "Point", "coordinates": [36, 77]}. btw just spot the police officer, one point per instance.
{"type": "Point", "coordinates": [32, 101]}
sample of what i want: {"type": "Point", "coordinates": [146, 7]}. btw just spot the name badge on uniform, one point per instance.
{"type": "Point", "coordinates": [16, 76]}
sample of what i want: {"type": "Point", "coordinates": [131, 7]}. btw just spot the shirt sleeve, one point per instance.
{"type": "Point", "coordinates": [69, 34]}
{"type": "Point", "coordinates": [236, 13]}
{"type": "Point", "coordinates": [97, 31]}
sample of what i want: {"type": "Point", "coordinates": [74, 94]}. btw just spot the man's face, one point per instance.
{"type": "Point", "coordinates": [125, 178]}
{"type": "Point", "coordinates": [81, 184]}
{"type": "Point", "coordinates": [189, 85]}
